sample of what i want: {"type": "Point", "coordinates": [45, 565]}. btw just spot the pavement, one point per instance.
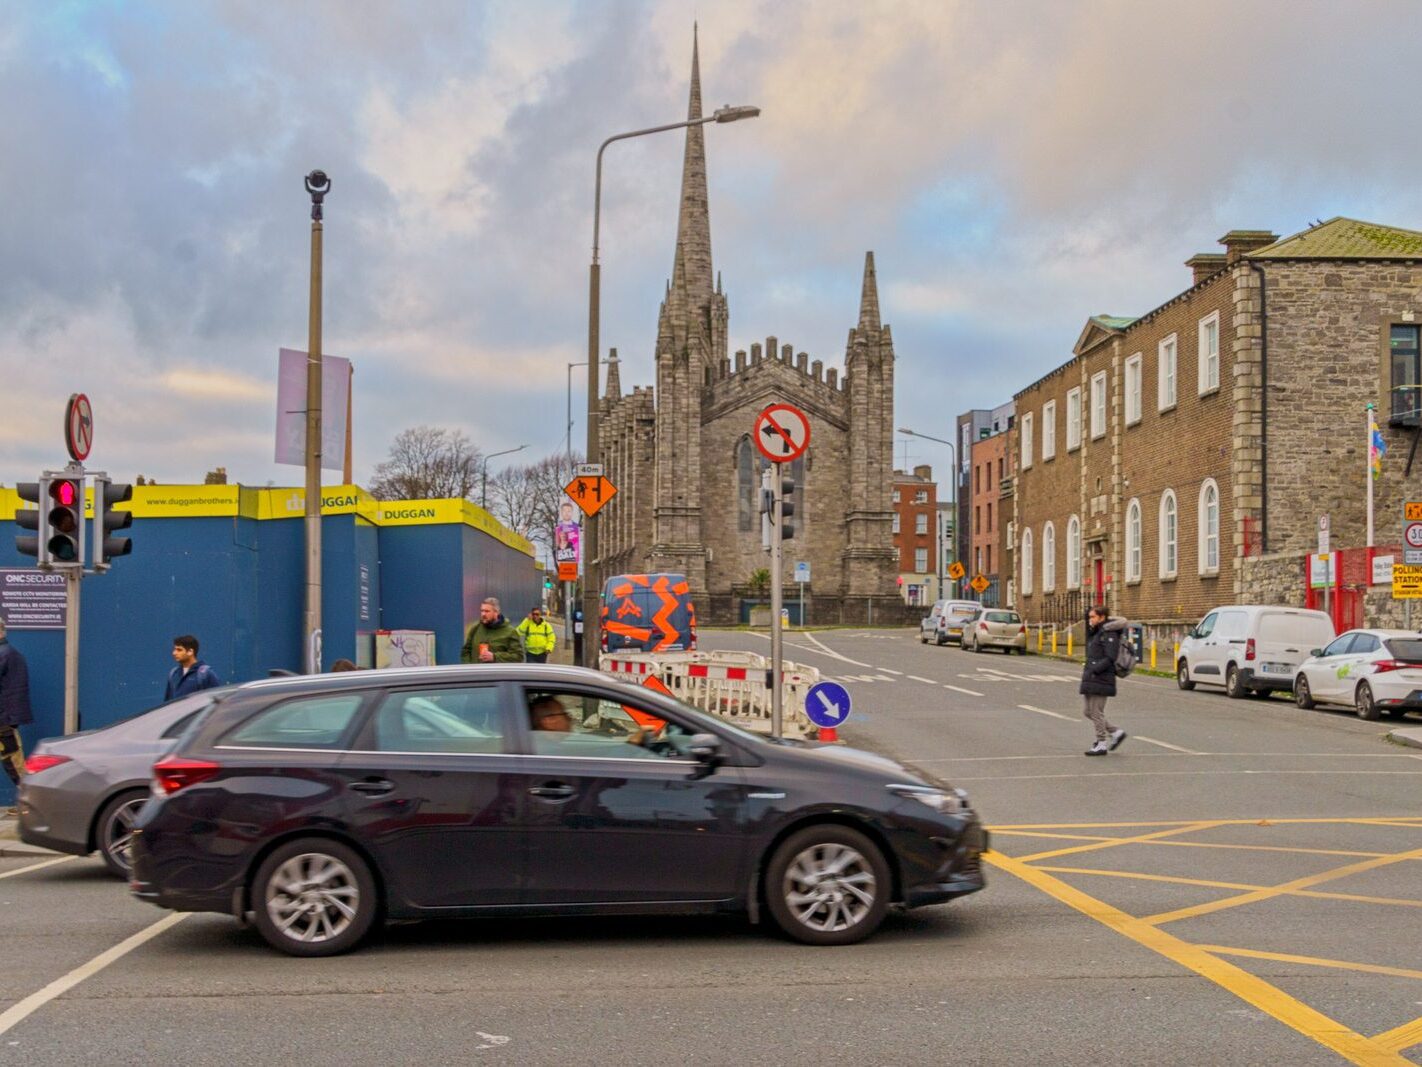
{"type": "Point", "coordinates": [10, 843]}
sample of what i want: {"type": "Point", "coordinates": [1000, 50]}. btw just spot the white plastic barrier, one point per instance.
{"type": "Point", "coordinates": [728, 684]}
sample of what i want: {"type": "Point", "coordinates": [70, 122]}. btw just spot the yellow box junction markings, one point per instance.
{"type": "Point", "coordinates": [1205, 960]}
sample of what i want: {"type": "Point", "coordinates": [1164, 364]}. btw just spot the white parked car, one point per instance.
{"type": "Point", "coordinates": [955, 615]}
{"type": "Point", "coordinates": [928, 625]}
{"type": "Point", "coordinates": [1250, 649]}
{"type": "Point", "coordinates": [1374, 672]}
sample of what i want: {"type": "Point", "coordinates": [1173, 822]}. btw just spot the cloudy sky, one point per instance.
{"type": "Point", "coordinates": [1015, 167]}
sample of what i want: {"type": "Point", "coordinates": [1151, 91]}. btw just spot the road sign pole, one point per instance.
{"type": "Point", "coordinates": [777, 549]}
{"type": "Point", "coordinates": [71, 648]}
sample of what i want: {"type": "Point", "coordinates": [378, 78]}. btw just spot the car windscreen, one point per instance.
{"type": "Point", "coordinates": [1407, 649]}
{"type": "Point", "coordinates": [1003, 616]}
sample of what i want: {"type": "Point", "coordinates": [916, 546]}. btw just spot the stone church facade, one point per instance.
{"type": "Point", "coordinates": [689, 474]}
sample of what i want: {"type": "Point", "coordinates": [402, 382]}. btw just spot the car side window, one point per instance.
{"type": "Point", "coordinates": [177, 728]}
{"type": "Point", "coordinates": [586, 724]}
{"type": "Point", "coordinates": [1340, 646]}
{"type": "Point", "coordinates": [1363, 644]}
{"type": "Point", "coordinates": [458, 719]}
{"type": "Point", "coordinates": [1207, 626]}
{"type": "Point", "coordinates": [306, 722]}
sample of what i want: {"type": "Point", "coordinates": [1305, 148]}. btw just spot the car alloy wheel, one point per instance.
{"type": "Point", "coordinates": [1234, 689]}
{"type": "Point", "coordinates": [314, 897]}
{"type": "Point", "coordinates": [116, 831]}
{"type": "Point", "coordinates": [828, 885]}
{"type": "Point", "coordinates": [1364, 704]}
{"type": "Point", "coordinates": [1302, 697]}
{"type": "Point", "coordinates": [1182, 676]}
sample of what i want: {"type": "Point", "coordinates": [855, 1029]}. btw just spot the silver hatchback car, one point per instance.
{"type": "Point", "coordinates": [995, 628]}
{"type": "Point", "coordinates": [81, 793]}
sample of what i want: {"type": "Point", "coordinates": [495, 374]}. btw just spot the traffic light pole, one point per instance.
{"type": "Point", "coordinates": [317, 184]}
{"type": "Point", "coordinates": [72, 577]}
{"type": "Point", "coordinates": [777, 555]}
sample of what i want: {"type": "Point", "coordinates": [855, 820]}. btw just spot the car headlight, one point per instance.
{"type": "Point", "coordinates": [943, 801]}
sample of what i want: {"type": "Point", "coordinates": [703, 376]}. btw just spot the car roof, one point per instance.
{"type": "Point", "coordinates": [1383, 633]}
{"type": "Point", "coordinates": [538, 673]}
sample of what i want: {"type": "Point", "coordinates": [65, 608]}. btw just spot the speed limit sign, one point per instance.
{"type": "Point", "coordinates": [1412, 534]}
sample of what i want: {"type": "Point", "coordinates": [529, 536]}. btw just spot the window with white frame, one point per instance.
{"type": "Point", "coordinates": [1098, 405]}
{"type": "Point", "coordinates": [920, 496]}
{"type": "Point", "coordinates": [1169, 535]}
{"type": "Point", "coordinates": [920, 560]}
{"type": "Point", "coordinates": [1049, 429]}
{"type": "Point", "coordinates": [1073, 553]}
{"type": "Point", "coordinates": [1073, 417]}
{"type": "Point", "coordinates": [1133, 541]}
{"type": "Point", "coordinates": [920, 524]}
{"type": "Point", "coordinates": [1210, 352]}
{"type": "Point", "coordinates": [897, 496]}
{"type": "Point", "coordinates": [896, 522]}
{"type": "Point", "coordinates": [1165, 374]}
{"type": "Point", "coordinates": [1049, 558]}
{"type": "Point", "coordinates": [1209, 527]}
{"type": "Point", "coordinates": [1133, 389]}
{"type": "Point", "coordinates": [1026, 556]}
{"type": "Point", "coordinates": [1027, 421]}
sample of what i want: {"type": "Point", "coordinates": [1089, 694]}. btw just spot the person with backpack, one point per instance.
{"type": "Point", "coordinates": [1105, 648]}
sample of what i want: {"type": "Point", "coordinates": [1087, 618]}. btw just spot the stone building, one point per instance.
{"type": "Point", "coordinates": [1181, 459]}
{"type": "Point", "coordinates": [688, 472]}
{"type": "Point", "coordinates": [915, 503]}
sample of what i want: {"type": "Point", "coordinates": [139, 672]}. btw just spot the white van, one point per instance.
{"type": "Point", "coordinates": [1251, 648]}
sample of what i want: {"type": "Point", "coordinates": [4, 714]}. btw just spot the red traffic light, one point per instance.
{"type": "Point", "coordinates": [66, 494]}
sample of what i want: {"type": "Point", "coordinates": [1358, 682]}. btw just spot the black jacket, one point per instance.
{"type": "Point", "coordinates": [1098, 677]}
{"type": "Point", "coordinates": [14, 686]}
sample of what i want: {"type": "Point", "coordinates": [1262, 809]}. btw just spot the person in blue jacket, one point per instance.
{"type": "Point", "coordinates": [14, 706]}
{"type": "Point", "coordinates": [191, 673]}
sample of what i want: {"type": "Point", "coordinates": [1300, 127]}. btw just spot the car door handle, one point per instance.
{"type": "Point", "coordinates": [373, 787]}
{"type": "Point", "coordinates": [552, 791]}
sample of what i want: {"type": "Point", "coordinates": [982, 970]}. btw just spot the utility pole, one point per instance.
{"type": "Point", "coordinates": [318, 185]}
{"type": "Point", "coordinates": [777, 555]}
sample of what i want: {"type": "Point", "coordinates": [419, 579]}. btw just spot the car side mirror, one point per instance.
{"type": "Point", "coordinates": [705, 748]}
{"type": "Point", "coordinates": [1315, 652]}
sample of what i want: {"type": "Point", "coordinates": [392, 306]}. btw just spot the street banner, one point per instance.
{"type": "Point", "coordinates": [566, 536]}
{"type": "Point", "coordinates": [291, 409]}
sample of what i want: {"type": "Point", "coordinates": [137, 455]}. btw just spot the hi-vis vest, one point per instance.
{"type": "Point", "coordinates": [537, 637]}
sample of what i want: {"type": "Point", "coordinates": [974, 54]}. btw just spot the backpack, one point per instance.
{"type": "Point", "coordinates": [1126, 658]}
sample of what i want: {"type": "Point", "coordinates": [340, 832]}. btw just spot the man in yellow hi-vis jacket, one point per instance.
{"type": "Point", "coordinates": [538, 636]}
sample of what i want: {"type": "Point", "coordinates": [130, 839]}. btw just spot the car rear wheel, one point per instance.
{"type": "Point", "coordinates": [1364, 704]}
{"type": "Point", "coordinates": [115, 830]}
{"type": "Point", "coordinates": [314, 897]}
{"type": "Point", "coordinates": [1234, 688]}
{"type": "Point", "coordinates": [827, 885]}
{"type": "Point", "coordinates": [1182, 676]}
{"type": "Point", "coordinates": [1303, 697]}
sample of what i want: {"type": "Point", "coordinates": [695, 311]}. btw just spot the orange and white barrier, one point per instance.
{"type": "Point", "coordinates": [733, 685]}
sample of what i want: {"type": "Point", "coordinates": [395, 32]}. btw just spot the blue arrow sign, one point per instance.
{"type": "Point", "coordinates": [827, 704]}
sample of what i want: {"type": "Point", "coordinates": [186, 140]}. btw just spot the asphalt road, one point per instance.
{"type": "Point", "coordinates": [1272, 916]}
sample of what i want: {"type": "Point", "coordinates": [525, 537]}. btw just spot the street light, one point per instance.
{"type": "Point", "coordinates": [591, 592]}
{"type": "Point", "coordinates": [569, 429]}
{"type": "Point", "coordinates": [484, 476]}
{"type": "Point", "coordinates": [952, 495]}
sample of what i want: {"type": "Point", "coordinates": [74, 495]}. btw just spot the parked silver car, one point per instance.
{"type": "Point", "coordinates": [995, 628]}
{"type": "Point", "coordinates": [928, 625]}
{"type": "Point", "coordinates": [81, 793]}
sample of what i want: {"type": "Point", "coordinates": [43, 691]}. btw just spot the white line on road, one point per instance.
{"type": "Point", "coordinates": [1044, 711]}
{"type": "Point", "coordinates": [32, 1003]}
{"type": "Point", "coordinates": [1165, 744]}
{"type": "Point", "coordinates": [916, 678]}
{"type": "Point", "coordinates": [1154, 774]}
{"type": "Point", "coordinates": [888, 670]}
{"type": "Point", "coordinates": [37, 866]}
{"type": "Point", "coordinates": [826, 650]}
{"type": "Point", "coordinates": [960, 689]}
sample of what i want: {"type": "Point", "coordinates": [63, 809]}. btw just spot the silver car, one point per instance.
{"type": "Point", "coordinates": [995, 628]}
{"type": "Point", "coordinates": [81, 793]}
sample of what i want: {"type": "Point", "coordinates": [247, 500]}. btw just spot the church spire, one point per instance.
{"type": "Point", "coordinates": [869, 296]}
{"type": "Point", "coordinates": [614, 380]}
{"type": "Point", "coordinates": [693, 228]}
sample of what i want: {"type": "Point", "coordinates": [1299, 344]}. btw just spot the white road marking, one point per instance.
{"type": "Point", "coordinates": [32, 1003]}
{"type": "Point", "coordinates": [1165, 744]}
{"type": "Point", "coordinates": [916, 678]}
{"type": "Point", "coordinates": [1155, 774]}
{"type": "Point", "coordinates": [959, 689]}
{"type": "Point", "coordinates": [37, 866]}
{"type": "Point", "coordinates": [1162, 755]}
{"type": "Point", "coordinates": [826, 650]}
{"type": "Point", "coordinates": [1044, 711]}
{"type": "Point", "coordinates": [888, 670]}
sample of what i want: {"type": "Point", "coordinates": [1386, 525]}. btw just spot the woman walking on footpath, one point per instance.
{"type": "Point", "coordinates": [1098, 677]}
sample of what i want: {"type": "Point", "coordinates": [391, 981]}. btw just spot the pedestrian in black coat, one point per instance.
{"type": "Point", "coordinates": [15, 708]}
{"type": "Point", "coordinates": [1098, 676]}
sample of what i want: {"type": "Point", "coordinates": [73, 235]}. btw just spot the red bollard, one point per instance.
{"type": "Point", "coordinates": [828, 734]}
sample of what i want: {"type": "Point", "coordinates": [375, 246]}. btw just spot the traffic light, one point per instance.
{"type": "Point", "coordinates": [65, 522]}
{"type": "Point", "coordinates": [33, 519]}
{"type": "Point", "coordinates": [106, 520]}
{"type": "Point", "coordinates": [787, 507]}
{"type": "Point", "coordinates": [767, 507]}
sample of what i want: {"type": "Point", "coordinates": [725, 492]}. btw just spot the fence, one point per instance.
{"type": "Point", "coordinates": [1059, 609]}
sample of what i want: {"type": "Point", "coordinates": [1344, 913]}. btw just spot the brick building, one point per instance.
{"type": "Point", "coordinates": [1180, 459]}
{"type": "Point", "coordinates": [988, 466]}
{"type": "Point", "coordinates": [688, 473]}
{"type": "Point", "coordinates": [915, 503]}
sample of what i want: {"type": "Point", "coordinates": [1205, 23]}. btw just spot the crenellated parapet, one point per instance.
{"type": "Point", "coordinates": [775, 370]}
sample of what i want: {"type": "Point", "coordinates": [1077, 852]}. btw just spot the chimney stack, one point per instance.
{"type": "Point", "coordinates": [1206, 264]}
{"type": "Point", "coordinates": [1239, 242]}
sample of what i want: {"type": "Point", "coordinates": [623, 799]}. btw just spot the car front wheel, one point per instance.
{"type": "Point", "coordinates": [314, 897]}
{"type": "Point", "coordinates": [1182, 676]}
{"type": "Point", "coordinates": [115, 834]}
{"type": "Point", "coordinates": [827, 885]}
{"type": "Point", "coordinates": [1302, 696]}
{"type": "Point", "coordinates": [1364, 704]}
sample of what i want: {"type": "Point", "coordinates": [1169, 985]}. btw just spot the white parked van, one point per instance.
{"type": "Point", "coordinates": [1251, 648]}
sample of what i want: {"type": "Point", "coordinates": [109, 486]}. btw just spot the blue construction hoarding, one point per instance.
{"type": "Point", "coordinates": [227, 563]}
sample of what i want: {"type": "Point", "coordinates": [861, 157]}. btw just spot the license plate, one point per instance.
{"type": "Point", "coordinates": [1277, 668]}
{"type": "Point", "coordinates": [955, 631]}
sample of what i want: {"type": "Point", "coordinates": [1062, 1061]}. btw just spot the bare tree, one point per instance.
{"type": "Point", "coordinates": [427, 463]}
{"type": "Point", "coordinates": [527, 498]}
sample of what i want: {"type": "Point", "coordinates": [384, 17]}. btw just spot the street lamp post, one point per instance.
{"type": "Point", "coordinates": [568, 432]}
{"type": "Point", "coordinates": [591, 592]}
{"type": "Point", "coordinates": [317, 185]}
{"type": "Point", "coordinates": [484, 475]}
{"type": "Point", "coordinates": [953, 496]}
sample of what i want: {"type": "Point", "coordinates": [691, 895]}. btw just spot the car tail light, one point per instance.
{"type": "Point", "coordinates": [1023, 630]}
{"type": "Point", "coordinates": [982, 626]}
{"type": "Point", "coordinates": [1392, 665]}
{"type": "Point", "coordinates": [35, 764]}
{"type": "Point", "coordinates": [1249, 649]}
{"type": "Point", "coordinates": [173, 773]}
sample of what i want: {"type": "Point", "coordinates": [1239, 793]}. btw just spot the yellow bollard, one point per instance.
{"type": "Point", "coordinates": [1039, 638]}
{"type": "Point", "coordinates": [1070, 635]}
{"type": "Point", "coordinates": [1175, 661]}
{"type": "Point", "coordinates": [1152, 654]}
{"type": "Point", "coordinates": [1054, 640]}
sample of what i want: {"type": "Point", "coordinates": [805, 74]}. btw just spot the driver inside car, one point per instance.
{"type": "Point", "coordinates": [547, 713]}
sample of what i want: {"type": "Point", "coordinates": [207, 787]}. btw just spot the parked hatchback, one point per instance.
{"type": "Point", "coordinates": [1250, 649]}
{"type": "Point", "coordinates": [323, 805]}
{"type": "Point", "coordinates": [995, 628]}
{"type": "Point", "coordinates": [1375, 672]}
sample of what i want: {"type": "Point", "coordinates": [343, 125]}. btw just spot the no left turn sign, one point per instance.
{"type": "Point", "coordinates": [782, 433]}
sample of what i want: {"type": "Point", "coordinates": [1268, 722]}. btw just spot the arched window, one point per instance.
{"type": "Point", "coordinates": [1169, 535]}
{"type": "Point", "coordinates": [747, 486]}
{"type": "Point", "coordinates": [1026, 555]}
{"type": "Point", "coordinates": [1073, 553]}
{"type": "Point", "coordinates": [1049, 558]}
{"type": "Point", "coordinates": [1133, 541]}
{"type": "Point", "coordinates": [1209, 527]}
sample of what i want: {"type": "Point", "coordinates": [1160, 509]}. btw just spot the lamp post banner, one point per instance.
{"type": "Point", "coordinates": [291, 409]}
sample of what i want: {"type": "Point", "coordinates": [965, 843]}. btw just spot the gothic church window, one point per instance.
{"type": "Point", "coordinates": [747, 486]}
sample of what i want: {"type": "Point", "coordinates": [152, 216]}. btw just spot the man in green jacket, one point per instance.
{"type": "Point", "coordinates": [492, 639]}
{"type": "Point", "coordinates": [538, 636]}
